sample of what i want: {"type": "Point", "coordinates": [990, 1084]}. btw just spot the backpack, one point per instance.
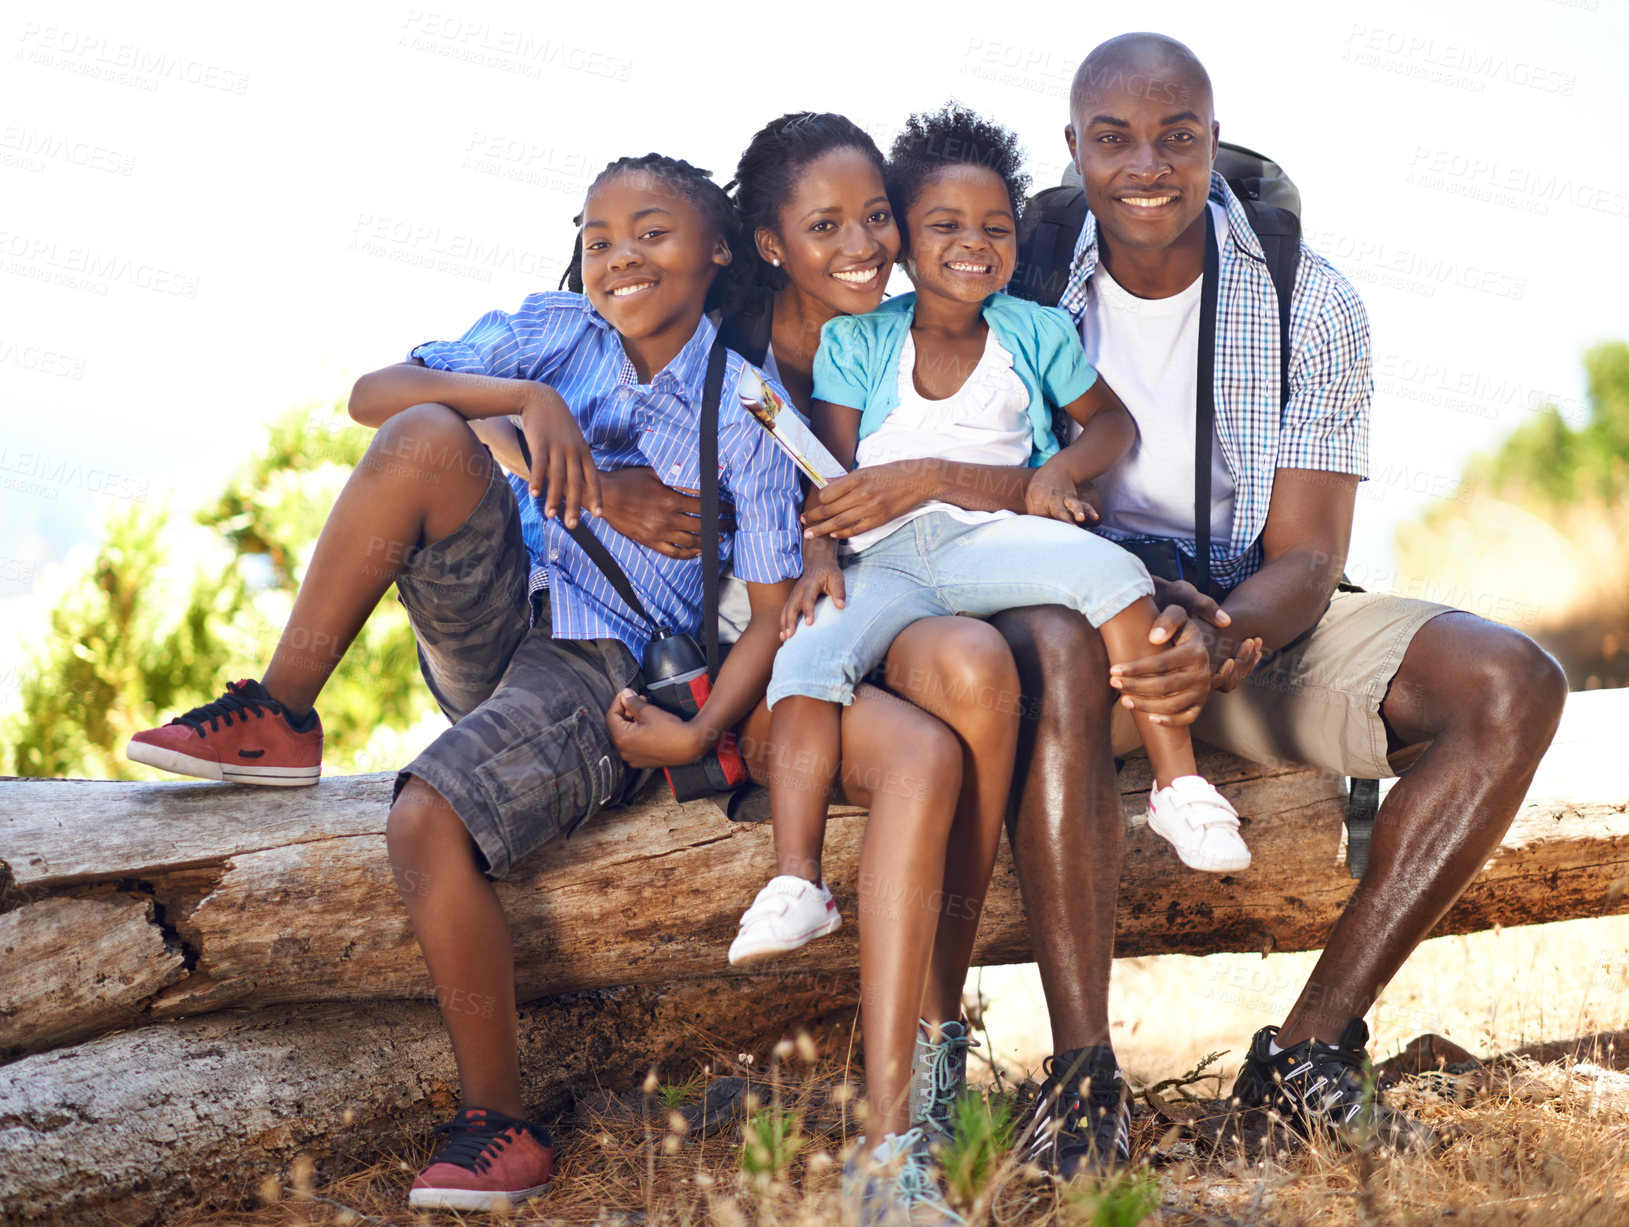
{"type": "Point", "coordinates": [1272, 203]}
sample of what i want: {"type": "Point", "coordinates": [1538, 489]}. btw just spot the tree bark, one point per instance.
{"type": "Point", "coordinates": [129, 903]}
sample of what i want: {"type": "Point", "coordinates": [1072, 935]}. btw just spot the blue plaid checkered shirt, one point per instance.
{"type": "Point", "coordinates": [559, 339]}
{"type": "Point", "coordinates": [1324, 425]}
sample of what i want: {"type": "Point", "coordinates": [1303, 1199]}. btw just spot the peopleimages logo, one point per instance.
{"type": "Point", "coordinates": [1448, 63]}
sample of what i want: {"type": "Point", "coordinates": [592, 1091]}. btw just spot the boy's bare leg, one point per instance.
{"type": "Point", "coordinates": [422, 476]}
{"type": "Point", "coordinates": [961, 670]}
{"type": "Point", "coordinates": [804, 735]}
{"type": "Point", "coordinates": [1170, 748]}
{"type": "Point", "coordinates": [462, 931]}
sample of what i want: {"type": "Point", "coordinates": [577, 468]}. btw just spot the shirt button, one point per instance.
{"type": "Point", "coordinates": [674, 470]}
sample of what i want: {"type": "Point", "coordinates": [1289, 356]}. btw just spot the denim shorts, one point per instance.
{"type": "Point", "coordinates": [935, 565]}
{"type": "Point", "coordinates": [528, 758]}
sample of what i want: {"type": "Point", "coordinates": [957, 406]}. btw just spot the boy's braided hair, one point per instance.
{"type": "Point", "coordinates": [952, 136]}
{"type": "Point", "coordinates": [696, 186]}
{"type": "Point", "coordinates": [767, 173]}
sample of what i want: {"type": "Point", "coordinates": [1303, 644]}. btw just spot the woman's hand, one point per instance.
{"type": "Point", "coordinates": [561, 459]}
{"type": "Point", "coordinates": [1052, 493]}
{"type": "Point", "coordinates": [821, 576]}
{"type": "Point", "coordinates": [866, 498]}
{"type": "Point", "coordinates": [647, 736]}
{"type": "Point", "coordinates": [640, 507]}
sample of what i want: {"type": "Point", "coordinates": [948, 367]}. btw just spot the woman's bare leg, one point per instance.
{"type": "Point", "coordinates": [906, 768]}
{"type": "Point", "coordinates": [961, 670]}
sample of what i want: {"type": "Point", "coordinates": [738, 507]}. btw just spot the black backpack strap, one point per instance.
{"type": "Point", "coordinates": [1046, 244]}
{"type": "Point", "coordinates": [712, 392]}
{"type": "Point", "coordinates": [1205, 405]}
{"type": "Point", "coordinates": [1362, 803]}
{"type": "Point", "coordinates": [747, 332]}
{"type": "Point", "coordinates": [1280, 233]}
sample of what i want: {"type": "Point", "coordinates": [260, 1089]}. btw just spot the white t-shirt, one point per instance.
{"type": "Point", "coordinates": [1148, 351]}
{"type": "Point", "coordinates": [986, 421]}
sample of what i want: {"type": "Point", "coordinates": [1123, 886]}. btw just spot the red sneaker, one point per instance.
{"type": "Point", "coordinates": [243, 737]}
{"type": "Point", "coordinates": [488, 1158]}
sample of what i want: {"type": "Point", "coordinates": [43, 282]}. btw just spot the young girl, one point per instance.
{"type": "Point", "coordinates": [959, 370]}
{"type": "Point", "coordinates": [547, 731]}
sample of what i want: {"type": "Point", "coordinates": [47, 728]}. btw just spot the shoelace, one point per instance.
{"type": "Point", "coordinates": [941, 1073]}
{"type": "Point", "coordinates": [1099, 1103]}
{"type": "Point", "coordinates": [472, 1144]}
{"type": "Point", "coordinates": [916, 1181]}
{"type": "Point", "coordinates": [234, 703]}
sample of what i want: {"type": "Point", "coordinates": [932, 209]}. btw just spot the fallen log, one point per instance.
{"type": "Point", "coordinates": [127, 1126]}
{"type": "Point", "coordinates": [137, 905]}
{"type": "Point", "coordinates": [231, 897]}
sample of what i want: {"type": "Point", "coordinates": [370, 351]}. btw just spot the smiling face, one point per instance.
{"type": "Point", "coordinates": [963, 235]}
{"type": "Point", "coordinates": [836, 237]}
{"type": "Point", "coordinates": [1143, 138]}
{"type": "Point", "coordinates": [649, 257]}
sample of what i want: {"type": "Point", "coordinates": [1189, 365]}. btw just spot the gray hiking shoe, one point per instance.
{"type": "Point", "coordinates": [938, 1076]}
{"type": "Point", "coordinates": [897, 1184]}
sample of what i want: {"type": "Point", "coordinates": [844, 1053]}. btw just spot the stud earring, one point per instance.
{"type": "Point", "coordinates": [776, 262]}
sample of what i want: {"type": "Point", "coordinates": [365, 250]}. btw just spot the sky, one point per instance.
{"type": "Point", "coordinates": [215, 214]}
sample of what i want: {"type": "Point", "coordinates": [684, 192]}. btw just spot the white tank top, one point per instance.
{"type": "Point", "coordinates": [985, 421]}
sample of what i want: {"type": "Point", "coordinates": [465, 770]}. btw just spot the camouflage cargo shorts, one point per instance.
{"type": "Point", "coordinates": [528, 758]}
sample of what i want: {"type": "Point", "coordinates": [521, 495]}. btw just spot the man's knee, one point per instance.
{"type": "Point", "coordinates": [1477, 674]}
{"type": "Point", "coordinates": [1061, 662]}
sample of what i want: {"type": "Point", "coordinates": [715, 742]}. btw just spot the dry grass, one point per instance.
{"type": "Point", "coordinates": [1535, 1143]}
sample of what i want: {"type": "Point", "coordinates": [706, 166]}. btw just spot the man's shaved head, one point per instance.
{"type": "Point", "coordinates": [1149, 65]}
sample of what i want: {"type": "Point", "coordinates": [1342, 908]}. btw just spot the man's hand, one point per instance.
{"type": "Point", "coordinates": [864, 499]}
{"type": "Point", "coordinates": [561, 459]}
{"type": "Point", "coordinates": [647, 736]}
{"type": "Point", "coordinates": [1173, 685]}
{"type": "Point", "coordinates": [821, 576]}
{"type": "Point", "coordinates": [1052, 493]}
{"type": "Point", "coordinates": [640, 507]}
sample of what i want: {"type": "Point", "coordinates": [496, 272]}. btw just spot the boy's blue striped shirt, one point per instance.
{"type": "Point", "coordinates": [559, 339]}
{"type": "Point", "coordinates": [1324, 426]}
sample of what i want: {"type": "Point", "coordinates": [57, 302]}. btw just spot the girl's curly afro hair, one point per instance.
{"type": "Point", "coordinates": [952, 136]}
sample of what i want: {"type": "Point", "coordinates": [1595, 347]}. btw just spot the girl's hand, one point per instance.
{"type": "Point", "coordinates": [1052, 493]}
{"type": "Point", "coordinates": [561, 459]}
{"type": "Point", "coordinates": [647, 736]}
{"type": "Point", "coordinates": [866, 498]}
{"type": "Point", "coordinates": [640, 507]}
{"type": "Point", "coordinates": [820, 577]}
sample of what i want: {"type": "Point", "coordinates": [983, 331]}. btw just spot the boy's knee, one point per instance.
{"type": "Point", "coordinates": [422, 830]}
{"type": "Point", "coordinates": [425, 441]}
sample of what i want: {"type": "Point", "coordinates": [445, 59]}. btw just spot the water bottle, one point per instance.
{"type": "Point", "coordinates": [675, 675]}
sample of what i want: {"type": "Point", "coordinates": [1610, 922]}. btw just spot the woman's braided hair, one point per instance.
{"type": "Point", "coordinates": [696, 186]}
{"type": "Point", "coordinates": [952, 136]}
{"type": "Point", "coordinates": [767, 173]}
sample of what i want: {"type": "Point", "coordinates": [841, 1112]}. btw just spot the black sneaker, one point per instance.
{"type": "Point", "coordinates": [1081, 1122]}
{"type": "Point", "coordinates": [1319, 1089]}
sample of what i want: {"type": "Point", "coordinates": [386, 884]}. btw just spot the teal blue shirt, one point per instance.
{"type": "Point", "coordinates": [857, 364]}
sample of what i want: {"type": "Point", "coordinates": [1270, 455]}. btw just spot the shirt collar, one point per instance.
{"type": "Point", "coordinates": [1084, 263]}
{"type": "Point", "coordinates": [684, 375]}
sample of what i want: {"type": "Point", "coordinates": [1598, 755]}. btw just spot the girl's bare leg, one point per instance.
{"type": "Point", "coordinates": [422, 476]}
{"type": "Point", "coordinates": [1170, 749]}
{"type": "Point", "coordinates": [801, 779]}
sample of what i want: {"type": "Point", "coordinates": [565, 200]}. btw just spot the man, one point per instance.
{"type": "Point", "coordinates": [1351, 682]}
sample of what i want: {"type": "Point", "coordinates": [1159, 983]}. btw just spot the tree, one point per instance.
{"type": "Point", "coordinates": [167, 614]}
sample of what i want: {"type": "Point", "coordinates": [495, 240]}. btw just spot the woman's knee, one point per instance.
{"type": "Point", "coordinates": [957, 668]}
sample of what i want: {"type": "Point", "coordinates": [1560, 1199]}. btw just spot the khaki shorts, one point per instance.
{"type": "Point", "coordinates": [1317, 703]}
